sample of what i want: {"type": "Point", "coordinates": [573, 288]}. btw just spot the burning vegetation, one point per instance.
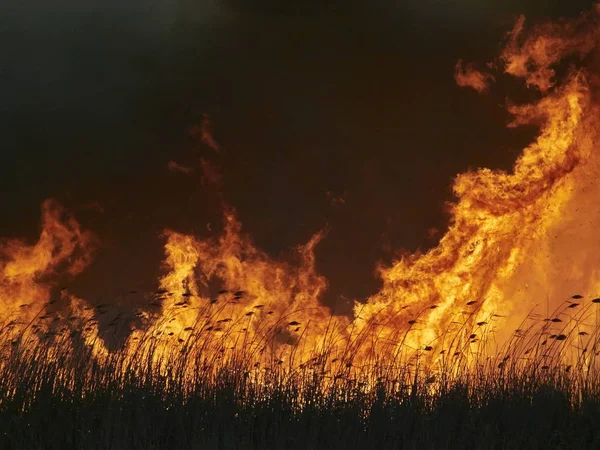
{"type": "Point", "coordinates": [493, 303]}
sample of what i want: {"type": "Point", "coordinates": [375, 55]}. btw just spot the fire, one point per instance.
{"type": "Point", "coordinates": [503, 236]}
{"type": "Point", "coordinates": [497, 221]}
{"type": "Point", "coordinates": [516, 240]}
{"type": "Point", "coordinates": [29, 273]}
{"type": "Point", "coordinates": [226, 294]}
{"type": "Point", "coordinates": [468, 76]}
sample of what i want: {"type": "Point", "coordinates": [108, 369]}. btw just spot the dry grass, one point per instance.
{"type": "Point", "coordinates": [540, 391]}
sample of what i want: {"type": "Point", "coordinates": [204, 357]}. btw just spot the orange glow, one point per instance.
{"type": "Point", "coordinates": [517, 241]}
{"type": "Point", "coordinates": [225, 293]}
{"type": "Point", "coordinates": [468, 76]}
{"type": "Point", "coordinates": [28, 273]}
{"type": "Point", "coordinates": [503, 238]}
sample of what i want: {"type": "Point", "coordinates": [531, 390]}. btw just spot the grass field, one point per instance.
{"type": "Point", "coordinates": [540, 391]}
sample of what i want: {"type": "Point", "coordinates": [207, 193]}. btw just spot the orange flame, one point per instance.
{"type": "Point", "coordinates": [227, 288]}
{"type": "Point", "coordinates": [28, 273]}
{"type": "Point", "coordinates": [468, 76]}
{"type": "Point", "coordinates": [516, 239]}
{"type": "Point", "coordinates": [500, 219]}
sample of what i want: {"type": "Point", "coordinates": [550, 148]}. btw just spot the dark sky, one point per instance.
{"type": "Point", "coordinates": [307, 97]}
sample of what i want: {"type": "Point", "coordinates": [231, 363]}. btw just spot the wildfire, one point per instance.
{"type": "Point", "coordinates": [28, 272]}
{"type": "Point", "coordinates": [516, 240]}
{"type": "Point", "coordinates": [227, 294]}
{"type": "Point", "coordinates": [503, 234]}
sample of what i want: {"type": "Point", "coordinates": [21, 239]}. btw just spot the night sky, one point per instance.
{"type": "Point", "coordinates": [312, 102]}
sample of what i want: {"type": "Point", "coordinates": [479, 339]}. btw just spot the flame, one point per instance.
{"type": "Point", "coordinates": [174, 166]}
{"type": "Point", "coordinates": [516, 240]}
{"type": "Point", "coordinates": [228, 294]}
{"type": "Point", "coordinates": [503, 225]}
{"type": "Point", "coordinates": [468, 76]}
{"type": "Point", "coordinates": [28, 273]}
{"type": "Point", "coordinates": [547, 45]}
{"type": "Point", "coordinates": [204, 132]}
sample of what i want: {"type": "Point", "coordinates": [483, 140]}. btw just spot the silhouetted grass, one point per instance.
{"type": "Point", "coordinates": [539, 391]}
